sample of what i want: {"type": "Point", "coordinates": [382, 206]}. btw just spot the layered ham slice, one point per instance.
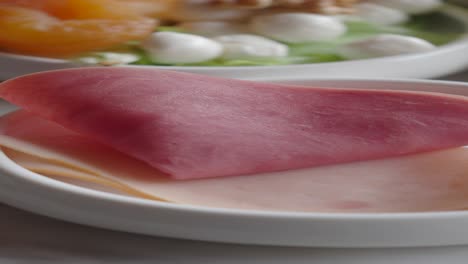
{"type": "Point", "coordinates": [190, 126]}
{"type": "Point", "coordinates": [432, 181]}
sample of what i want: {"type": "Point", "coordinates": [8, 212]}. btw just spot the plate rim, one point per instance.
{"type": "Point", "coordinates": [433, 228]}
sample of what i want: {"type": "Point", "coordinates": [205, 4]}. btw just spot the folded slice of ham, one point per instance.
{"type": "Point", "coordinates": [190, 126]}
{"type": "Point", "coordinates": [433, 181]}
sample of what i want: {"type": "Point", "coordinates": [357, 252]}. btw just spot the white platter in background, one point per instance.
{"type": "Point", "coordinates": [444, 60]}
{"type": "Point", "coordinates": [30, 191]}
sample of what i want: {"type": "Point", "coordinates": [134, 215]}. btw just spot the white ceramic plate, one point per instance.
{"type": "Point", "coordinates": [30, 191]}
{"type": "Point", "coordinates": [442, 61]}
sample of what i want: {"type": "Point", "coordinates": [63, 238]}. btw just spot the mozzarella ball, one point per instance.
{"type": "Point", "coordinates": [298, 27]}
{"type": "Point", "coordinates": [410, 6]}
{"type": "Point", "coordinates": [250, 46]}
{"type": "Point", "coordinates": [379, 14]}
{"type": "Point", "coordinates": [174, 47]}
{"type": "Point", "coordinates": [108, 58]}
{"type": "Point", "coordinates": [384, 45]}
{"type": "Point", "coordinates": [214, 28]}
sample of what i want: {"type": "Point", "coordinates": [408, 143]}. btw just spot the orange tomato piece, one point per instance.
{"type": "Point", "coordinates": [161, 9]}
{"type": "Point", "coordinates": [39, 4]}
{"type": "Point", "coordinates": [85, 9]}
{"type": "Point", "coordinates": [77, 9]}
{"type": "Point", "coordinates": [35, 32]}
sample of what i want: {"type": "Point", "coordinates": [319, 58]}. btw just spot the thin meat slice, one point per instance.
{"type": "Point", "coordinates": [432, 181]}
{"type": "Point", "coordinates": [192, 126]}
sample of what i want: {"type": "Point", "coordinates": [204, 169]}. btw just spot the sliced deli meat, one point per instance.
{"type": "Point", "coordinates": [191, 126]}
{"type": "Point", "coordinates": [432, 181]}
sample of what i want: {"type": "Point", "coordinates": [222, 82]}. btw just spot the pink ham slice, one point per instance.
{"type": "Point", "coordinates": [432, 181]}
{"type": "Point", "coordinates": [191, 126]}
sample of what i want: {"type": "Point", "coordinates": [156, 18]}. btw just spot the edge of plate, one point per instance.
{"type": "Point", "coordinates": [30, 191]}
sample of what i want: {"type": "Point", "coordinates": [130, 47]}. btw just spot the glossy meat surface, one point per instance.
{"type": "Point", "coordinates": [193, 126]}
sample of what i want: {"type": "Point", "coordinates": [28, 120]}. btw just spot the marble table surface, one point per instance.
{"type": "Point", "coordinates": [31, 238]}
